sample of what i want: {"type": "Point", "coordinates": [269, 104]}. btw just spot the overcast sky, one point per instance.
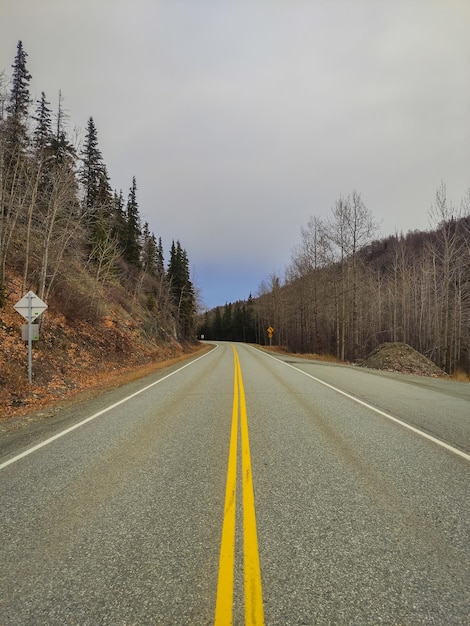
{"type": "Point", "coordinates": [240, 119]}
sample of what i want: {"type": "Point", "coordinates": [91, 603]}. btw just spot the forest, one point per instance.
{"type": "Point", "coordinates": [346, 292]}
{"type": "Point", "coordinates": [74, 240]}
{"type": "Point", "coordinates": [78, 243]}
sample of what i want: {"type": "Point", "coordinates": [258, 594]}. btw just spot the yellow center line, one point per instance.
{"type": "Point", "coordinates": [254, 612]}
{"type": "Point", "coordinates": [223, 610]}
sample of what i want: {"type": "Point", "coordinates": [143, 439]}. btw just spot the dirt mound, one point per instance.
{"type": "Point", "coordinates": [400, 357]}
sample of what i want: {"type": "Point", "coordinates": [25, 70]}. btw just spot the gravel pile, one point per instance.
{"type": "Point", "coordinates": [400, 357]}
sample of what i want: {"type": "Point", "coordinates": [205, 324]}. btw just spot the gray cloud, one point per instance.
{"type": "Point", "coordinates": [241, 119]}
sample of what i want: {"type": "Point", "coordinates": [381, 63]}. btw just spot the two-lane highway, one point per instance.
{"type": "Point", "coordinates": [245, 489]}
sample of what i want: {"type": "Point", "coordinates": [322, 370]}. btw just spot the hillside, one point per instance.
{"type": "Point", "coordinates": [114, 304]}
{"type": "Point", "coordinates": [346, 293]}
{"type": "Point", "coordinates": [73, 355]}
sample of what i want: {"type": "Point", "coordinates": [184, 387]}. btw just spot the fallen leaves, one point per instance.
{"type": "Point", "coordinates": [69, 358]}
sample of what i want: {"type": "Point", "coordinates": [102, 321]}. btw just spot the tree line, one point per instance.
{"type": "Point", "coordinates": [346, 292]}
{"type": "Point", "coordinates": [232, 322]}
{"type": "Point", "coordinates": [63, 227]}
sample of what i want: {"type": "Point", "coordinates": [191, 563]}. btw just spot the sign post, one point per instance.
{"type": "Point", "coordinates": [270, 335]}
{"type": "Point", "coordinates": [30, 307]}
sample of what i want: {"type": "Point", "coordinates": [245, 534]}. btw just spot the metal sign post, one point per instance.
{"type": "Point", "coordinates": [30, 341]}
{"type": "Point", "coordinates": [30, 307]}
{"type": "Point", "coordinates": [270, 335]}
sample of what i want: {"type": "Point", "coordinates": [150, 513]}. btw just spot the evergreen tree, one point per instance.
{"type": "Point", "coordinates": [160, 262]}
{"type": "Point", "coordinates": [54, 153]}
{"type": "Point", "coordinates": [181, 288]}
{"type": "Point", "coordinates": [41, 169]}
{"type": "Point", "coordinates": [132, 251]}
{"type": "Point", "coordinates": [236, 323]}
{"type": "Point", "coordinates": [61, 147]}
{"type": "Point", "coordinates": [119, 220]}
{"type": "Point", "coordinates": [43, 130]}
{"type": "Point", "coordinates": [205, 329]}
{"type": "Point", "coordinates": [149, 251]}
{"type": "Point", "coordinates": [98, 198]}
{"type": "Point", "coordinates": [218, 326]}
{"type": "Point", "coordinates": [173, 269]}
{"type": "Point", "coordinates": [18, 103]}
{"type": "Point", "coordinates": [91, 174]}
{"type": "Point", "coordinates": [250, 321]}
{"type": "Point", "coordinates": [101, 218]}
{"type": "Point", "coordinates": [227, 322]}
{"type": "Point", "coordinates": [104, 196]}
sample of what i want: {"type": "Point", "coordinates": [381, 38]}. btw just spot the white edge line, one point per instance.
{"type": "Point", "coordinates": [376, 410]}
{"type": "Point", "coordinates": [95, 415]}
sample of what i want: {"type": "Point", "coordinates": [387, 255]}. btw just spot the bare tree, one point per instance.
{"type": "Point", "coordinates": [350, 228]}
{"type": "Point", "coordinates": [307, 280]}
{"type": "Point", "coordinates": [62, 223]}
{"type": "Point", "coordinates": [445, 251]}
{"type": "Point", "coordinates": [13, 200]}
{"type": "Point", "coordinates": [32, 192]}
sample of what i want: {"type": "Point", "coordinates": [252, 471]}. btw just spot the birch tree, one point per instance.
{"type": "Point", "coordinates": [351, 227]}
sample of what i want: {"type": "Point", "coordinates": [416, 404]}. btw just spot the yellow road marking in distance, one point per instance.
{"type": "Point", "coordinates": [254, 613]}
{"type": "Point", "coordinates": [224, 603]}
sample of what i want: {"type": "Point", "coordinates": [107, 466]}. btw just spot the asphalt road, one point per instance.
{"type": "Point", "coordinates": [353, 518]}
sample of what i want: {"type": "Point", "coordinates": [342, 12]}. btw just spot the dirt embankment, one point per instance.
{"type": "Point", "coordinates": [71, 357]}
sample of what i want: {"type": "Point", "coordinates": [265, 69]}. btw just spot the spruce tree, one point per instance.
{"type": "Point", "coordinates": [43, 130]}
{"type": "Point", "coordinates": [18, 104]}
{"type": "Point", "coordinates": [181, 288]}
{"type": "Point", "coordinates": [41, 163]}
{"type": "Point", "coordinates": [149, 251]}
{"type": "Point", "coordinates": [132, 251]}
{"type": "Point", "coordinates": [172, 271]}
{"type": "Point", "coordinates": [104, 196]}
{"type": "Point", "coordinates": [218, 327]}
{"type": "Point", "coordinates": [119, 220]}
{"type": "Point", "coordinates": [98, 197]}
{"type": "Point", "coordinates": [238, 321]}
{"type": "Point", "coordinates": [91, 173]}
{"type": "Point", "coordinates": [101, 218]}
{"type": "Point", "coordinates": [160, 261]}
{"type": "Point", "coordinates": [227, 322]}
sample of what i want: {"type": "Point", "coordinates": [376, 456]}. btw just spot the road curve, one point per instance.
{"type": "Point", "coordinates": [115, 514]}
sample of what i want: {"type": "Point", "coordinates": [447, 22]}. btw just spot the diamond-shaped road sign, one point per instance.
{"type": "Point", "coordinates": [30, 304]}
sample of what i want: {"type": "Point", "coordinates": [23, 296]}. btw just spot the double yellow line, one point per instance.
{"type": "Point", "coordinates": [254, 613]}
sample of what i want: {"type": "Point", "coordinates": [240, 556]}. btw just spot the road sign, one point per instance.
{"type": "Point", "coordinates": [270, 330]}
{"type": "Point", "coordinates": [30, 331]}
{"type": "Point", "coordinates": [30, 306]}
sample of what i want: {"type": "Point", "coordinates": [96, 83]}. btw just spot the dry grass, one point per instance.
{"type": "Point", "coordinates": [461, 376]}
{"type": "Point", "coordinates": [84, 356]}
{"type": "Point", "coordinates": [40, 398]}
{"type": "Point", "coordinates": [328, 358]}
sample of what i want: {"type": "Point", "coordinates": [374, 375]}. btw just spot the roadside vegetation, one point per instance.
{"type": "Point", "coordinates": [113, 300]}
{"type": "Point", "coordinates": [345, 292]}
{"type": "Point", "coordinates": [115, 303]}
